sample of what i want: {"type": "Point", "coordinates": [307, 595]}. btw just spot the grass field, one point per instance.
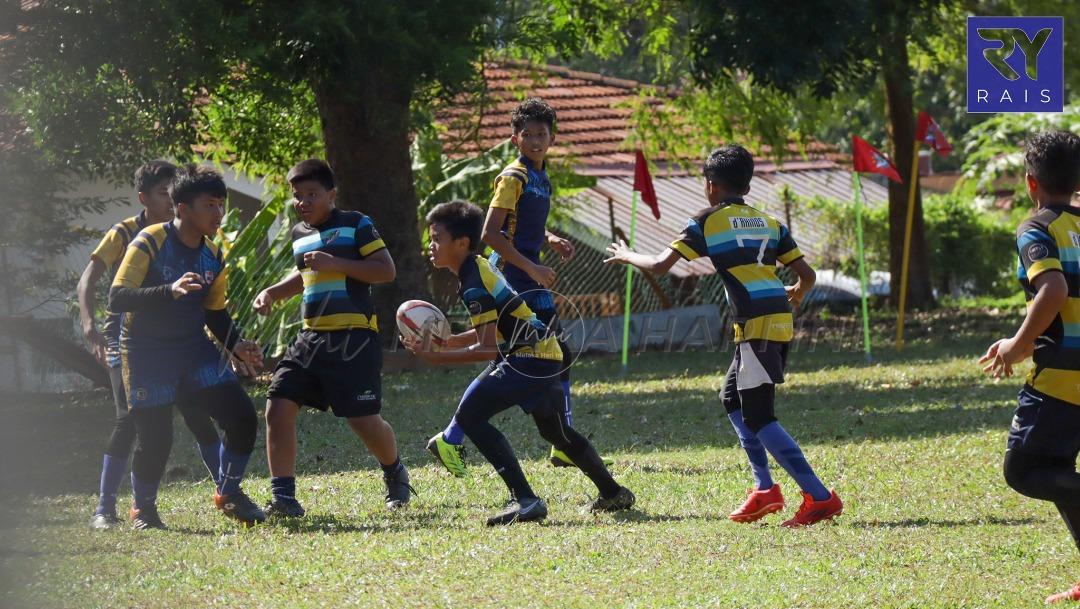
{"type": "Point", "coordinates": [913, 443]}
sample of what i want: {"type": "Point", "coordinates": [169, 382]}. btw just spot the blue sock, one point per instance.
{"type": "Point", "coordinates": [453, 434]}
{"type": "Point", "coordinates": [112, 474]}
{"type": "Point", "coordinates": [211, 457]}
{"type": "Point", "coordinates": [232, 471]}
{"type": "Point", "coordinates": [283, 487]}
{"type": "Point", "coordinates": [144, 491]}
{"type": "Point", "coordinates": [566, 410]}
{"type": "Point", "coordinates": [759, 459]}
{"type": "Point", "coordinates": [790, 457]}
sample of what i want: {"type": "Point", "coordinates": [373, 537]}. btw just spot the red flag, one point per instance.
{"type": "Point", "coordinates": [929, 133]}
{"type": "Point", "coordinates": [643, 183]}
{"type": "Point", "coordinates": [868, 158]}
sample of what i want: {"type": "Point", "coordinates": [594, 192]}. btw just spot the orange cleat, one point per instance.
{"type": "Point", "coordinates": [1072, 594]}
{"type": "Point", "coordinates": [811, 512]}
{"type": "Point", "coordinates": [759, 504]}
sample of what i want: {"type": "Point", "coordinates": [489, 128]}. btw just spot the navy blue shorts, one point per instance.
{"type": "Point", "coordinates": [339, 370]}
{"type": "Point", "coordinates": [513, 382]}
{"type": "Point", "coordinates": [154, 376]}
{"type": "Point", "coordinates": [1045, 426]}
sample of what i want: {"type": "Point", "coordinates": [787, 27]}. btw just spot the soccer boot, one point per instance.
{"type": "Point", "coordinates": [520, 510]}
{"type": "Point", "coordinates": [811, 512]}
{"type": "Point", "coordinates": [623, 500]}
{"type": "Point", "coordinates": [398, 490]}
{"type": "Point", "coordinates": [239, 507]}
{"type": "Point", "coordinates": [759, 504]}
{"type": "Point", "coordinates": [281, 507]}
{"type": "Point", "coordinates": [103, 521]}
{"type": "Point", "coordinates": [452, 456]}
{"type": "Point", "coordinates": [146, 519]}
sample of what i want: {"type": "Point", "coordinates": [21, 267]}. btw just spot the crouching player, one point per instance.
{"type": "Point", "coordinates": [525, 364]}
{"type": "Point", "coordinates": [170, 285]}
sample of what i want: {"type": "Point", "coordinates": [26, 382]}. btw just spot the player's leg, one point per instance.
{"type": "Point", "coordinates": [760, 367]}
{"type": "Point", "coordinates": [448, 446]}
{"type": "Point", "coordinates": [547, 412]}
{"type": "Point", "coordinates": [206, 436]}
{"type": "Point", "coordinates": [485, 397]}
{"type": "Point", "coordinates": [114, 464]}
{"type": "Point", "coordinates": [765, 497]}
{"type": "Point", "coordinates": [154, 432]}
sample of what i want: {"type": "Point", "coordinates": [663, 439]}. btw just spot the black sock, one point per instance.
{"type": "Point", "coordinates": [500, 455]}
{"type": "Point", "coordinates": [391, 469]}
{"type": "Point", "coordinates": [1071, 515]}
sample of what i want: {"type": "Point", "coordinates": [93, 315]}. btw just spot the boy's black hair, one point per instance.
{"type": "Point", "coordinates": [312, 169]}
{"type": "Point", "coordinates": [153, 173]}
{"type": "Point", "coordinates": [460, 219]}
{"type": "Point", "coordinates": [194, 180]}
{"type": "Point", "coordinates": [1053, 157]}
{"type": "Point", "coordinates": [731, 166]}
{"type": "Point", "coordinates": [532, 109]}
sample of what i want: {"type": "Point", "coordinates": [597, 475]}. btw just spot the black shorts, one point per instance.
{"type": "Point", "coordinates": [758, 362]}
{"type": "Point", "coordinates": [340, 370]}
{"type": "Point", "coordinates": [1044, 425]}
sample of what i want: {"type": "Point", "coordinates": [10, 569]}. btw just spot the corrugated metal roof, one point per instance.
{"type": "Point", "coordinates": [681, 197]}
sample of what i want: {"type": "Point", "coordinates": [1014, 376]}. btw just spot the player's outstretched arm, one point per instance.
{"type": "Point", "coordinates": [1052, 292]}
{"type": "Point", "coordinates": [377, 267]}
{"type": "Point", "coordinates": [807, 278]}
{"type": "Point", "coordinates": [290, 286]}
{"type": "Point", "coordinates": [486, 348]}
{"type": "Point", "coordinates": [620, 253]}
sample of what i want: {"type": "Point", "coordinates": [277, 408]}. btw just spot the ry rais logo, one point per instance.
{"type": "Point", "coordinates": [1015, 64]}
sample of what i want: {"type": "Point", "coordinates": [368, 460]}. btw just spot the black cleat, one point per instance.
{"type": "Point", "coordinates": [146, 519]}
{"type": "Point", "coordinates": [623, 500]}
{"type": "Point", "coordinates": [398, 489]}
{"type": "Point", "coordinates": [240, 507]}
{"type": "Point", "coordinates": [103, 521]}
{"type": "Point", "coordinates": [284, 508]}
{"type": "Point", "coordinates": [520, 510]}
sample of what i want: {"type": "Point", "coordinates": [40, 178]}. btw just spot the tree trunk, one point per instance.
{"type": "Point", "coordinates": [901, 128]}
{"type": "Point", "coordinates": [366, 131]}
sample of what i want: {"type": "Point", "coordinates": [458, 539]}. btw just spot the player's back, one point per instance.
{"type": "Point", "coordinates": [744, 245]}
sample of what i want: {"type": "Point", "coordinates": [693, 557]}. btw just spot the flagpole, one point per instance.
{"type": "Point", "coordinates": [914, 179]}
{"type": "Point", "coordinates": [862, 264]}
{"type": "Point", "coordinates": [629, 283]}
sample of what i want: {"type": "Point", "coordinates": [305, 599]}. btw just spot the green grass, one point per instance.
{"type": "Point", "coordinates": [912, 443]}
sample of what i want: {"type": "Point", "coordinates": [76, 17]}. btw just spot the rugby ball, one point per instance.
{"type": "Point", "coordinates": [424, 322]}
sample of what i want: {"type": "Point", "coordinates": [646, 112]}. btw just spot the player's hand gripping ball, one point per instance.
{"type": "Point", "coordinates": [422, 325]}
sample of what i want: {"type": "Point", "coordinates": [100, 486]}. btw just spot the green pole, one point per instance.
{"type": "Point", "coordinates": [629, 283]}
{"type": "Point", "coordinates": [862, 265]}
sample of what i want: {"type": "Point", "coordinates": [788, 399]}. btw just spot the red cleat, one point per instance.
{"type": "Point", "coordinates": [759, 504]}
{"type": "Point", "coordinates": [1072, 594]}
{"type": "Point", "coordinates": [811, 512]}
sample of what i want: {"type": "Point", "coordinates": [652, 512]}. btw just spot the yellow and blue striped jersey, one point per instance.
{"type": "Point", "coordinates": [1049, 241]}
{"type": "Point", "coordinates": [745, 244]}
{"type": "Point", "coordinates": [524, 191]}
{"type": "Point", "coordinates": [157, 257]}
{"type": "Point", "coordinates": [490, 299]}
{"type": "Point", "coordinates": [332, 300]}
{"type": "Point", "coordinates": [110, 250]}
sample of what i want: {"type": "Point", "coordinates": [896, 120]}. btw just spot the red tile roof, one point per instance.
{"type": "Point", "coordinates": [594, 116]}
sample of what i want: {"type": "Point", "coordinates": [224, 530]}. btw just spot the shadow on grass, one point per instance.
{"type": "Point", "coordinates": [920, 523]}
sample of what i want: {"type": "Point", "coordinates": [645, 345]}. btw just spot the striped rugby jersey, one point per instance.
{"type": "Point", "coordinates": [489, 298]}
{"type": "Point", "coordinates": [110, 250]}
{"type": "Point", "coordinates": [524, 191]}
{"type": "Point", "coordinates": [744, 245]}
{"type": "Point", "coordinates": [1050, 241]}
{"type": "Point", "coordinates": [332, 300]}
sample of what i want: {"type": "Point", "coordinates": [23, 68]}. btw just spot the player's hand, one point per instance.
{"type": "Point", "coordinates": [563, 247]}
{"type": "Point", "coordinates": [795, 295]}
{"type": "Point", "coordinates": [263, 302]}
{"type": "Point", "coordinates": [544, 275]}
{"type": "Point", "coordinates": [617, 252]}
{"type": "Point", "coordinates": [242, 368]}
{"type": "Point", "coordinates": [188, 283]}
{"type": "Point", "coordinates": [415, 346]}
{"type": "Point", "coordinates": [320, 261]}
{"type": "Point", "coordinates": [96, 342]}
{"type": "Point", "coordinates": [1001, 356]}
{"type": "Point", "coordinates": [249, 354]}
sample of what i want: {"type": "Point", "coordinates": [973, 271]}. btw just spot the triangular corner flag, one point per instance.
{"type": "Point", "coordinates": [867, 158]}
{"type": "Point", "coordinates": [643, 183]}
{"type": "Point", "coordinates": [930, 133]}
